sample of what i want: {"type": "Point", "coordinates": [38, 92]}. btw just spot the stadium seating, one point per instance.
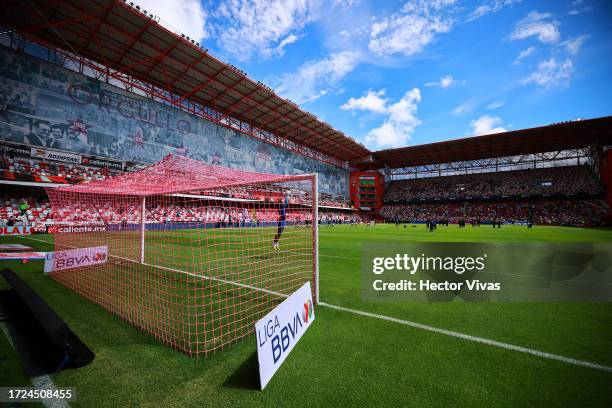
{"type": "Point", "coordinates": [566, 180]}
{"type": "Point", "coordinates": [546, 212]}
{"type": "Point", "coordinates": [40, 214]}
{"type": "Point", "coordinates": [85, 213]}
{"type": "Point", "coordinates": [568, 195]}
{"type": "Point", "coordinates": [37, 214]}
{"type": "Point", "coordinates": [36, 170]}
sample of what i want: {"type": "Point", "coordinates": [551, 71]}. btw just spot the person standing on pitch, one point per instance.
{"type": "Point", "coordinates": [23, 209]}
{"type": "Point", "coordinates": [282, 221]}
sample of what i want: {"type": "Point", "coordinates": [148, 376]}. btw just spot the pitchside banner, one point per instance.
{"type": "Point", "coordinates": [16, 230]}
{"type": "Point", "coordinates": [75, 258]}
{"type": "Point", "coordinates": [14, 256]}
{"type": "Point", "coordinates": [279, 331]}
{"type": "Point", "coordinates": [63, 228]}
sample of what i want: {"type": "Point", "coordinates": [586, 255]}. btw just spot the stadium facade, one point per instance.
{"type": "Point", "coordinates": [108, 85]}
{"type": "Point", "coordinates": [53, 107]}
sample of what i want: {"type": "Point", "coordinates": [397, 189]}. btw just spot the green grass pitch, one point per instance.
{"type": "Point", "coordinates": [350, 360]}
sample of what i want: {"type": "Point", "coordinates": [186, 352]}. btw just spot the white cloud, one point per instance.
{"type": "Point", "coordinates": [252, 27]}
{"type": "Point", "coordinates": [465, 108]}
{"type": "Point", "coordinates": [183, 16]}
{"type": "Point", "coordinates": [280, 48]}
{"type": "Point", "coordinates": [496, 105]}
{"type": "Point", "coordinates": [556, 71]}
{"type": "Point", "coordinates": [538, 25]}
{"type": "Point", "coordinates": [524, 54]}
{"type": "Point", "coordinates": [479, 12]}
{"type": "Point", "coordinates": [408, 31]}
{"type": "Point", "coordinates": [551, 73]}
{"type": "Point", "coordinates": [573, 45]}
{"type": "Point", "coordinates": [316, 78]}
{"type": "Point", "coordinates": [445, 82]}
{"type": "Point", "coordinates": [578, 8]}
{"type": "Point", "coordinates": [397, 129]}
{"type": "Point", "coordinates": [489, 7]}
{"type": "Point", "coordinates": [372, 101]}
{"type": "Point", "coordinates": [486, 125]}
{"type": "Point", "coordinates": [575, 12]}
{"type": "Point", "coordinates": [345, 4]}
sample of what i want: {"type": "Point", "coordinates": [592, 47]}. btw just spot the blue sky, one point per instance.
{"type": "Point", "coordinates": [397, 73]}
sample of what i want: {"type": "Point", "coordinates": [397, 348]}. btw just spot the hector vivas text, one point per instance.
{"type": "Point", "coordinates": [429, 265]}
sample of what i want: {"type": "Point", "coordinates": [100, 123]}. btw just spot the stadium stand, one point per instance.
{"type": "Point", "coordinates": [142, 115]}
{"type": "Point", "coordinates": [544, 212]}
{"type": "Point", "coordinates": [40, 215]}
{"type": "Point", "coordinates": [40, 171]}
{"type": "Point", "coordinates": [37, 172]}
{"type": "Point", "coordinates": [567, 195]}
{"type": "Point", "coordinates": [520, 196]}
{"type": "Point", "coordinates": [518, 183]}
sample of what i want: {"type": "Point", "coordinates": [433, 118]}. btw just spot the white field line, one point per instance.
{"type": "Point", "coordinates": [212, 278]}
{"type": "Point", "coordinates": [244, 285]}
{"type": "Point", "coordinates": [475, 339]}
{"type": "Point", "coordinates": [432, 329]}
{"type": "Point", "coordinates": [42, 382]}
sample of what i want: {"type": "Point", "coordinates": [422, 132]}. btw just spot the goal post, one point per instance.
{"type": "Point", "coordinates": [194, 254]}
{"type": "Point", "coordinates": [315, 235]}
{"type": "Point", "coordinates": [143, 217]}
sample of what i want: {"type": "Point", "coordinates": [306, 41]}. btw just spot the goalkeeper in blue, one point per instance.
{"type": "Point", "coordinates": [282, 221]}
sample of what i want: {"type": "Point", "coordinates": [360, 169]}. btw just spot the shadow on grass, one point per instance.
{"type": "Point", "coordinates": [246, 376]}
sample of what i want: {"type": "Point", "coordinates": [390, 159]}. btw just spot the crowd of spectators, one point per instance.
{"type": "Point", "coordinates": [39, 214]}
{"type": "Point", "coordinates": [329, 217]}
{"type": "Point", "coordinates": [260, 205]}
{"type": "Point", "coordinates": [40, 171]}
{"type": "Point", "coordinates": [522, 183]}
{"type": "Point", "coordinates": [545, 212]}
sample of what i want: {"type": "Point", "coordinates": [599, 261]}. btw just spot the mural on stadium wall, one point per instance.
{"type": "Point", "coordinates": [46, 105]}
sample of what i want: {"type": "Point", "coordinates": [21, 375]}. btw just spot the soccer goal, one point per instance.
{"type": "Point", "coordinates": [192, 253]}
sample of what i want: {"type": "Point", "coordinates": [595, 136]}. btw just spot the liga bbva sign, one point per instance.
{"type": "Point", "coordinates": [75, 258]}
{"type": "Point", "coordinates": [16, 230]}
{"type": "Point", "coordinates": [280, 330]}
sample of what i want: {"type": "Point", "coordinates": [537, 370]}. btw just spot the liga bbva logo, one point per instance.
{"type": "Point", "coordinates": [308, 311]}
{"type": "Point", "coordinates": [75, 258]}
{"type": "Point", "coordinates": [280, 330]}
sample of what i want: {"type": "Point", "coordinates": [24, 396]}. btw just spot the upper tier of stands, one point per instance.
{"type": "Point", "coordinates": [568, 180]}
{"type": "Point", "coordinates": [40, 171]}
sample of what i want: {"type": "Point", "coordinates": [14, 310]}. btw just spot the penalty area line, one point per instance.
{"type": "Point", "coordinates": [471, 338]}
{"type": "Point", "coordinates": [195, 275]}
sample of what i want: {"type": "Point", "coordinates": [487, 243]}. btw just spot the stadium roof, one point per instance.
{"type": "Point", "coordinates": [561, 136]}
{"type": "Point", "coordinates": [125, 39]}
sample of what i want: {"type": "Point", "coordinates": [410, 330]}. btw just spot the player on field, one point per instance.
{"type": "Point", "coordinates": [282, 221]}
